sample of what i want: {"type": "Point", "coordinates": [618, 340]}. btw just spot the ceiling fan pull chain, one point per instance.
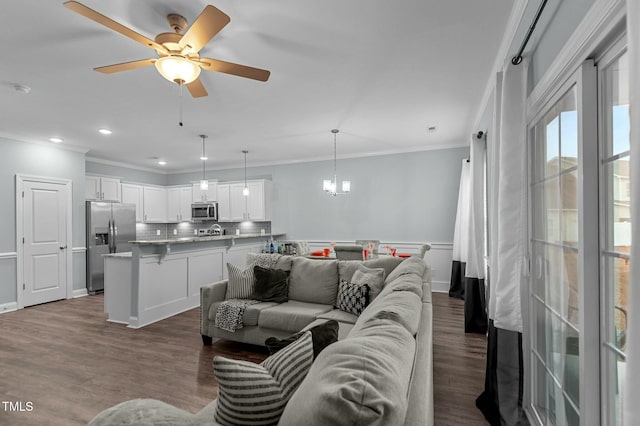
{"type": "Point", "coordinates": [180, 122]}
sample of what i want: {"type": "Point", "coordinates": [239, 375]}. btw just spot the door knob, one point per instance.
{"type": "Point", "coordinates": [63, 247]}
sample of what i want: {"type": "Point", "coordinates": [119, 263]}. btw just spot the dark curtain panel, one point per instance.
{"type": "Point", "coordinates": [501, 401]}
{"type": "Point", "coordinates": [456, 288]}
{"type": "Point", "coordinates": [475, 306]}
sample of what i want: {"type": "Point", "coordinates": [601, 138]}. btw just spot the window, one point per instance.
{"type": "Point", "coordinates": [556, 254]}
{"type": "Point", "coordinates": [615, 226]}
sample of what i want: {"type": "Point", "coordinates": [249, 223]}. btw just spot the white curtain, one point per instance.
{"type": "Point", "coordinates": [631, 414]}
{"type": "Point", "coordinates": [475, 255]}
{"type": "Point", "coordinates": [461, 230]}
{"type": "Point", "coordinates": [509, 201]}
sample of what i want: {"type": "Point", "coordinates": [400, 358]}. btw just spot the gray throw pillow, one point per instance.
{"type": "Point", "coordinates": [241, 281]}
{"type": "Point", "coordinates": [374, 278]}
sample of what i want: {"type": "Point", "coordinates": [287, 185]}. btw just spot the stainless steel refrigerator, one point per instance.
{"type": "Point", "coordinates": [110, 227]}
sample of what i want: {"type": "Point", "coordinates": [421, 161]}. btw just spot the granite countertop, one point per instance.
{"type": "Point", "coordinates": [123, 254]}
{"type": "Point", "coordinates": [203, 239]}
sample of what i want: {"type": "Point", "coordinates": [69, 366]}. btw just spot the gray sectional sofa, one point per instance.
{"type": "Point", "coordinates": [378, 373]}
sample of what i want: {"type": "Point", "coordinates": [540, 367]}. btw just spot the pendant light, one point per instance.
{"type": "Point", "coordinates": [245, 190]}
{"type": "Point", "coordinates": [204, 183]}
{"type": "Point", "coordinates": [329, 186]}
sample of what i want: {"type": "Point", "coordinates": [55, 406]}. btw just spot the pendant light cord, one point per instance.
{"type": "Point", "coordinates": [245, 152]}
{"type": "Point", "coordinates": [335, 158]}
{"type": "Point", "coordinates": [203, 156]}
{"type": "Point", "coordinates": [180, 118]}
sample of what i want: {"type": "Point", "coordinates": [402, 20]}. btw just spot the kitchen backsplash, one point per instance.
{"type": "Point", "coordinates": [150, 231]}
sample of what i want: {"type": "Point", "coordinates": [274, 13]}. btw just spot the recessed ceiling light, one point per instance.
{"type": "Point", "coordinates": [55, 140]}
{"type": "Point", "coordinates": [432, 129]}
{"type": "Point", "coordinates": [21, 88]}
{"type": "Point", "coordinates": [105, 131]}
{"type": "Point", "coordinates": [162, 163]}
{"type": "Point", "coordinates": [203, 158]}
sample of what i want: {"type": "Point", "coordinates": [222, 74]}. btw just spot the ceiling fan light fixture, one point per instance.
{"type": "Point", "coordinates": [177, 69]}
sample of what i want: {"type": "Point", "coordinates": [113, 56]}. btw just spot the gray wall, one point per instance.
{"type": "Point", "coordinates": [403, 197]}
{"type": "Point", "coordinates": [41, 160]}
{"type": "Point", "coordinates": [126, 174]}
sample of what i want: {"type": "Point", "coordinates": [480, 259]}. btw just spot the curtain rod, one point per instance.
{"type": "Point", "coordinates": [516, 60]}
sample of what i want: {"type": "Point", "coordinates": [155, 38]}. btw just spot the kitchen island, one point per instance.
{"type": "Point", "coordinates": [165, 276]}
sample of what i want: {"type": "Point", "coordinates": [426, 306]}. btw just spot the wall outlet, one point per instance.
{"type": "Point", "coordinates": [157, 232]}
{"type": "Point", "coordinates": [195, 232]}
{"type": "Point", "coordinates": [237, 231]}
{"type": "Point", "coordinates": [175, 232]}
{"type": "Point", "coordinates": [262, 231]}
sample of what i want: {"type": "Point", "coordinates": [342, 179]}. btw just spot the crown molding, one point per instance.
{"type": "Point", "coordinates": [60, 146]}
{"type": "Point", "coordinates": [435, 147]}
{"type": "Point", "coordinates": [517, 13]}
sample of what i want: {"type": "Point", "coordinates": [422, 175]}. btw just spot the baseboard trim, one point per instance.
{"type": "Point", "coordinates": [440, 287]}
{"type": "Point", "coordinates": [81, 292]}
{"type": "Point", "coordinates": [8, 307]}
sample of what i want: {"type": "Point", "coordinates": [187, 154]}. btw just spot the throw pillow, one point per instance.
{"type": "Point", "coordinates": [271, 285]}
{"type": "Point", "coordinates": [240, 283]}
{"type": "Point", "coordinates": [374, 278]}
{"type": "Point", "coordinates": [352, 298]}
{"type": "Point", "coordinates": [252, 394]}
{"type": "Point", "coordinates": [322, 335]}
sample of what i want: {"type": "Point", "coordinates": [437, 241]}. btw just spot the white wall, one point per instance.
{"type": "Point", "coordinates": [40, 160]}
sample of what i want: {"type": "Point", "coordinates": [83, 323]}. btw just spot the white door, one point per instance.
{"type": "Point", "coordinates": [238, 202]}
{"type": "Point", "coordinates": [255, 201]}
{"type": "Point", "coordinates": [110, 188]}
{"type": "Point", "coordinates": [186, 198]}
{"type": "Point", "coordinates": [45, 247]}
{"type": "Point", "coordinates": [173, 204]}
{"type": "Point", "coordinates": [132, 194]}
{"type": "Point", "coordinates": [224, 209]}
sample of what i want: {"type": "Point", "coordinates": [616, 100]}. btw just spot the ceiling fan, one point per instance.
{"type": "Point", "coordinates": [178, 60]}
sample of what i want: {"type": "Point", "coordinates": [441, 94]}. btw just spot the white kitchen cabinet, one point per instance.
{"type": "Point", "coordinates": [238, 202]}
{"type": "Point", "coordinates": [154, 204]}
{"type": "Point", "coordinates": [102, 188]}
{"type": "Point", "coordinates": [224, 208]}
{"type": "Point", "coordinates": [133, 194]}
{"type": "Point", "coordinates": [210, 194]}
{"type": "Point", "coordinates": [259, 200]}
{"type": "Point", "coordinates": [233, 206]}
{"type": "Point", "coordinates": [179, 203]}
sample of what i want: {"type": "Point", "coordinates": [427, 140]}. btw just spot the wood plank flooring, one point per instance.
{"type": "Point", "coordinates": [70, 363]}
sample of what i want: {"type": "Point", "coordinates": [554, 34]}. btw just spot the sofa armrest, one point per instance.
{"type": "Point", "coordinates": [210, 294]}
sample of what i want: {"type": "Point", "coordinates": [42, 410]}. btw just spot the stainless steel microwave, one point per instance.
{"type": "Point", "coordinates": [207, 210]}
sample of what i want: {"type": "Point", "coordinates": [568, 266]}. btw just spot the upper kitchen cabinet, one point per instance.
{"type": "Point", "coordinates": [102, 188]}
{"type": "Point", "coordinates": [259, 200]}
{"type": "Point", "coordinates": [133, 194]}
{"type": "Point", "coordinates": [210, 194]}
{"type": "Point", "coordinates": [233, 206]}
{"type": "Point", "coordinates": [179, 201]}
{"type": "Point", "coordinates": [154, 204]}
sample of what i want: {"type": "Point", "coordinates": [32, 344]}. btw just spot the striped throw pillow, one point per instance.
{"type": "Point", "coordinates": [240, 283]}
{"type": "Point", "coordinates": [256, 394]}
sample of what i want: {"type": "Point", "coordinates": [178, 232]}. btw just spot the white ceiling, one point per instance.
{"type": "Point", "coordinates": [380, 71]}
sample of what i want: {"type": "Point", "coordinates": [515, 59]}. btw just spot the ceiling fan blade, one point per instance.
{"type": "Point", "coordinates": [207, 24]}
{"type": "Point", "coordinates": [196, 88]}
{"type": "Point", "coordinates": [125, 66]}
{"type": "Point", "coordinates": [234, 69]}
{"type": "Point", "coordinates": [110, 23]}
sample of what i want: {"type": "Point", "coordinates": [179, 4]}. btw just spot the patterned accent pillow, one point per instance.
{"type": "Point", "coordinates": [241, 282]}
{"type": "Point", "coordinates": [252, 394]}
{"type": "Point", "coordinates": [352, 298]}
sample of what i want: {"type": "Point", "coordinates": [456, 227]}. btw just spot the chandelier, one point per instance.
{"type": "Point", "coordinates": [331, 186]}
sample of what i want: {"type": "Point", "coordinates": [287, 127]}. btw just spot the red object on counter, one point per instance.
{"type": "Point", "coordinates": [404, 255]}
{"type": "Point", "coordinates": [317, 253]}
{"type": "Point", "coordinates": [326, 252]}
{"type": "Point", "coordinates": [366, 253]}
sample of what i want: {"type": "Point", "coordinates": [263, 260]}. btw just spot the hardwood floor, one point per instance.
{"type": "Point", "coordinates": [459, 361]}
{"type": "Point", "coordinates": [70, 363]}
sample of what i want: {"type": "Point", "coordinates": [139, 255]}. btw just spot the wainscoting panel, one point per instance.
{"type": "Point", "coordinates": [438, 257]}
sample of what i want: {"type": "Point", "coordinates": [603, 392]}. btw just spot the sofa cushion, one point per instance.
{"type": "Point", "coordinates": [291, 316]}
{"type": "Point", "coordinates": [347, 268]}
{"type": "Point", "coordinates": [250, 394]}
{"type": "Point", "coordinates": [322, 335]}
{"type": "Point", "coordinates": [352, 297]}
{"type": "Point", "coordinates": [251, 312]}
{"type": "Point", "coordinates": [374, 278]}
{"type": "Point", "coordinates": [271, 285]}
{"type": "Point", "coordinates": [282, 261]}
{"type": "Point", "coordinates": [412, 265]}
{"type": "Point", "coordinates": [313, 281]}
{"type": "Point", "coordinates": [402, 307]}
{"type": "Point", "coordinates": [368, 384]}
{"type": "Point", "coordinates": [241, 281]}
{"type": "Point", "coordinates": [338, 315]}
